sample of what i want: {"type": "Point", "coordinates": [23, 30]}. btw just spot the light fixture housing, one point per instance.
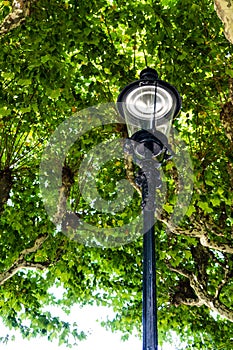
{"type": "Point", "coordinates": [149, 104]}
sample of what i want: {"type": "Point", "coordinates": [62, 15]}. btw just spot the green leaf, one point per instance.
{"type": "Point", "coordinates": [168, 208]}
{"type": "Point", "coordinates": [205, 207]}
{"type": "Point", "coordinates": [191, 210]}
{"type": "Point", "coordinates": [25, 82]}
{"type": "Point", "coordinates": [53, 94]}
{"type": "Point", "coordinates": [4, 111]}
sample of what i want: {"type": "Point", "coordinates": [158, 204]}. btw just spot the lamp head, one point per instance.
{"type": "Point", "coordinates": [149, 103]}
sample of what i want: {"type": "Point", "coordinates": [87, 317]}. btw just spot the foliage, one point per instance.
{"type": "Point", "coordinates": [65, 56]}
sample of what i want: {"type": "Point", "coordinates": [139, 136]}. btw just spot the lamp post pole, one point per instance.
{"type": "Point", "coordinates": [149, 180]}
{"type": "Point", "coordinates": [148, 106]}
{"type": "Point", "coordinates": [149, 312]}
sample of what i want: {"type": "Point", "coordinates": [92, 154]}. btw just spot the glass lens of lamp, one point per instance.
{"type": "Point", "coordinates": [145, 111]}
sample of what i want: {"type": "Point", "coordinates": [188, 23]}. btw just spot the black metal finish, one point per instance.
{"type": "Point", "coordinates": [149, 175]}
{"type": "Point", "coordinates": [149, 312]}
{"type": "Point", "coordinates": [149, 148]}
{"type": "Point", "coordinates": [154, 141]}
{"type": "Point", "coordinates": [148, 76]}
{"type": "Point", "coordinates": [148, 178]}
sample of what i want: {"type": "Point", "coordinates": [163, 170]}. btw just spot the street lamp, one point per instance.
{"type": "Point", "coordinates": [148, 106]}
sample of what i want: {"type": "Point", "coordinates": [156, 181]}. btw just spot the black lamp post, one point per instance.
{"type": "Point", "coordinates": [148, 106]}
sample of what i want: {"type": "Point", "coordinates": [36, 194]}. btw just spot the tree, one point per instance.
{"type": "Point", "coordinates": [224, 11]}
{"type": "Point", "coordinates": [59, 57]}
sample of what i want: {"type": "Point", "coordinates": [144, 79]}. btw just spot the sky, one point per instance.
{"type": "Point", "coordinates": [86, 317]}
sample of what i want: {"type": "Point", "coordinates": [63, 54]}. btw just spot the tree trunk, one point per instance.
{"type": "Point", "coordinates": [224, 9]}
{"type": "Point", "coordinates": [20, 10]}
{"type": "Point", "coordinates": [5, 187]}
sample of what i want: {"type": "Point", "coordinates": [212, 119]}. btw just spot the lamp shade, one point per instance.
{"type": "Point", "coordinates": [149, 103]}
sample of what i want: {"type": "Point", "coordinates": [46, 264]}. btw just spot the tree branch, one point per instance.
{"type": "Point", "coordinates": [22, 263]}
{"type": "Point", "coordinates": [207, 300]}
{"type": "Point", "coordinates": [224, 248]}
{"type": "Point", "coordinates": [5, 186]}
{"type": "Point", "coordinates": [222, 284]}
{"type": "Point", "coordinates": [129, 167]}
{"type": "Point", "coordinates": [203, 298]}
{"type": "Point", "coordinates": [200, 232]}
{"type": "Point", "coordinates": [179, 270]}
{"type": "Point", "coordinates": [224, 9]}
{"type": "Point", "coordinates": [64, 191]}
{"type": "Point", "coordinates": [20, 10]}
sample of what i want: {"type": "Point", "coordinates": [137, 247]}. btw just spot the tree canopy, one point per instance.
{"type": "Point", "coordinates": [58, 58]}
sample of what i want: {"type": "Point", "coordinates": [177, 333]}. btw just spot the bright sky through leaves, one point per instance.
{"type": "Point", "coordinates": [98, 338]}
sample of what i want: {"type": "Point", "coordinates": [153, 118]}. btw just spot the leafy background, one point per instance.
{"type": "Point", "coordinates": [59, 57]}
